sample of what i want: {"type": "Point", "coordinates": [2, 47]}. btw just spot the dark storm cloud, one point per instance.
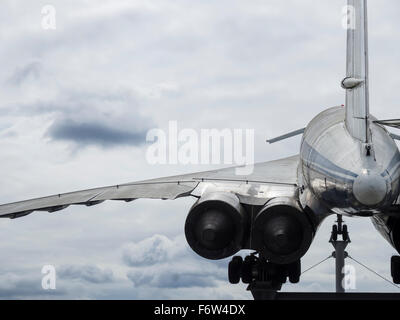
{"type": "Point", "coordinates": [92, 133]}
{"type": "Point", "coordinates": [107, 117]}
{"type": "Point", "coordinates": [89, 273]}
{"type": "Point", "coordinates": [27, 72]}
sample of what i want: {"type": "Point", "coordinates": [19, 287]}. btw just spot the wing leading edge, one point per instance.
{"type": "Point", "coordinates": [268, 180]}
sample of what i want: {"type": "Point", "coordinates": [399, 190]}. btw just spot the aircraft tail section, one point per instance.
{"type": "Point", "coordinates": [356, 81]}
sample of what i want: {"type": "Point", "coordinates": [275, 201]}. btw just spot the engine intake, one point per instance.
{"type": "Point", "coordinates": [282, 231]}
{"type": "Point", "coordinates": [216, 225]}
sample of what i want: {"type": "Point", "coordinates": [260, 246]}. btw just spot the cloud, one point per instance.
{"type": "Point", "coordinates": [154, 250]}
{"type": "Point", "coordinates": [30, 71]}
{"type": "Point", "coordinates": [89, 273]}
{"type": "Point", "coordinates": [29, 287]}
{"type": "Point", "coordinates": [104, 117]}
{"type": "Point", "coordinates": [91, 133]}
{"type": "Point", "coordinates": [170, 278]}
{"type": "Point", "coordinates": [164, 263]}
{"type": "Point", "coordinates": [128, 66]}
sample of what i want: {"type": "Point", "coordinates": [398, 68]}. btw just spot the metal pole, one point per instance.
{"type": "Point", "coordinates": [339, 254]}
{"type": "Point", "coordinates": [340, 246]}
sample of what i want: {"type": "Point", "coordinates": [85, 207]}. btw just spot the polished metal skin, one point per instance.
{"type": "Point", "coordinates": [356, 82]}
{"type": "Point", "coordinates": [348, 161]}
{"type": "Point", "coordinates": [349, 164]}
{"type": "Point", "coordinates": [347, 175]}
{"type": "Point", "coordinates": [268, 180]}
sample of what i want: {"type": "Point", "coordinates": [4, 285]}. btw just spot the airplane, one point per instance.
{"type": "Point", "coordinates": [348, 165]}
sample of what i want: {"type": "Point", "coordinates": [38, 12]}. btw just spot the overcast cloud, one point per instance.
{"type": "Point", "coordinates": [76, 103]}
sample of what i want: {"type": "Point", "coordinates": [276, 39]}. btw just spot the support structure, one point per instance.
{"type": "Point", "coordinates": [340, 254]}
{"type": "Point", "coordinates": [266, 279]}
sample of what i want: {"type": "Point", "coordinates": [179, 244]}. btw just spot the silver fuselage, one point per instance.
{"type": "Point", "coordinates": [346, 175]}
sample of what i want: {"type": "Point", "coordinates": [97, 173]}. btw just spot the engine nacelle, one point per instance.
{"type": "Point", "coordinates": [282, 232]}
{"type": "Point", "coordinates": [389, 228]}
{"type": "Point", "coordinates": [396, 236]}
{"type": "Point", "coordinates": [216, 225]}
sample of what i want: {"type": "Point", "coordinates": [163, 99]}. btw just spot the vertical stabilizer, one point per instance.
{"type": "Point", "coordinates": [356, 81]}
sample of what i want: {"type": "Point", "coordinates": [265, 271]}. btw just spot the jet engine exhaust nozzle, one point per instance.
{"type": "Point", "coordinates": [282, 231]}
{"type": "Point", "coordinates": [216, 226]}
{"type": "Point", "coordinates": [214, 229]}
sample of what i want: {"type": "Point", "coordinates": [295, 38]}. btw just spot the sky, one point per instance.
{"type": "Point", "coordinates": [77, 101]}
